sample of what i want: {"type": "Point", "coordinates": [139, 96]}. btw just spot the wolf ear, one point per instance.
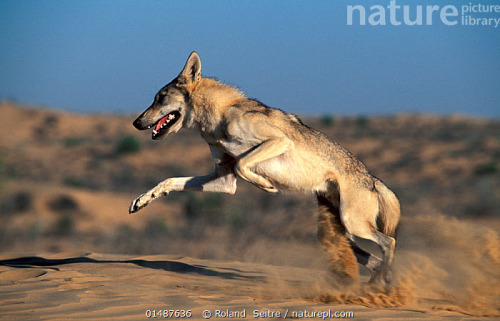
{"type": "Point", "coordinates": [192, 70]}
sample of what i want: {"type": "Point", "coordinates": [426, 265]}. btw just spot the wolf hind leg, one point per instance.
{"type": "Point", "coordinates": [368, 260]}
{"type": "Point", "coordinates": [387, 244]}
{"type": "Point", "coordinates": [268, 149]}
{"type": "Point", "coordinates": [255, 179]}
{"type": "Point", "coordinates": [380, 268]}
{"type": "Point", "coordinates": [359, 215]}
{"type": "Point", "coordinates": [331, 235]}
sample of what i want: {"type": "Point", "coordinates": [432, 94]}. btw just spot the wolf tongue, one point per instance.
{"type": "Point", "coordinates": [161, 122]}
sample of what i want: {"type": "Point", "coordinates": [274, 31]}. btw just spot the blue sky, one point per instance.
{"type": "Point", "coordinates": [300, 56]}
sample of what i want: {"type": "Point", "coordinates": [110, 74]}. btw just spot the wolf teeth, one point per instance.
{"type": "Point", "coordinates": [170, 117]}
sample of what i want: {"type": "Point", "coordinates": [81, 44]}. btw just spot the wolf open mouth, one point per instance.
{"type": "Point", "coordinates": [163, 125]}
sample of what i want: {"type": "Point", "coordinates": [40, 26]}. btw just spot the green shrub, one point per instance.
{"type": "Point", "coordinates": [2, 172]}
{"type": "Point", "coordinates": [156, 228]}
{"type": "Point", "coordinates": [213, 201]}
{"type": "Point", "coordinates": [238, 218]}
{"type": "Point", "coordinates": [128, 144]}
{"type": "Point", "coordinates": [327, 120]}
{"type": "Point", "coordinates": [74, 181]}
{"type": "Point", "coordinates": [487, 168]}
{"type": "Point", "coordinates": [19, 202]}
{"type": "Point", "coordinates": [192, 207]}
{"type": "Point", "coordinates": [208, 207]}
{"type": "Point", "coordinates": [73, 141]}
{"type": "Point", "coordinates": [65, 225]}
{"type": "Point", "coordinates": [362, 120]}
{"type": "Point", "coordinates": [63, 204]}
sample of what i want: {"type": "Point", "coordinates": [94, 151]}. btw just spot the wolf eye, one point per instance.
{"type": "Point", "coordinates": [180, 82]}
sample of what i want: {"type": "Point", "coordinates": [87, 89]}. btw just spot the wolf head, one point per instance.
{"type": "Point", "coordinates": [170, 107]}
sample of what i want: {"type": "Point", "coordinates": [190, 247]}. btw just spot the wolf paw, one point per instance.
{"type": "Point", "coordinates": [137, 204]}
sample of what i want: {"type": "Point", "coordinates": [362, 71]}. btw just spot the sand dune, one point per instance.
{"type": "Point", "coordinates": [458, 285]}
{"type": "Point", "coordinates": [108, 287]}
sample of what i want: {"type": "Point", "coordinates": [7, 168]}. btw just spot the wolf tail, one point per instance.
{"type": "Point", "coordinates": [389, 209]}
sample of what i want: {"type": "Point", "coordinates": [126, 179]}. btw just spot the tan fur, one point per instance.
{"type": "Point", "coordinates": [389, 209]}
{"type": "Point", "coordinates": [274, 151]}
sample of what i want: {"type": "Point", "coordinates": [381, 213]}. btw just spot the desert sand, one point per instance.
{"type": "Point", "coordinates": [459, 281]}
{"type": "Point", "coordinates": [91, 286]}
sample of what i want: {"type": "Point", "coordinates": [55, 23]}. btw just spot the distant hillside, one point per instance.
{"type": "Point", "coordinates": [447, 165]}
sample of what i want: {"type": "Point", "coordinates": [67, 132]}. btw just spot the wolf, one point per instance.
{"type": "Point", "coordinates": [274, 151]}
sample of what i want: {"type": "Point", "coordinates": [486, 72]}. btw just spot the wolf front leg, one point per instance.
{"type": "Point", "coordinates": [224, 182]}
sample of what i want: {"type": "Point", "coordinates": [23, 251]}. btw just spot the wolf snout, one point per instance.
{"type": "Point", "coordinates": [140, 124]}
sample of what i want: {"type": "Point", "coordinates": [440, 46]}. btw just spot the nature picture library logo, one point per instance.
{"type": "Point", "coordinates": [469, 13]}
